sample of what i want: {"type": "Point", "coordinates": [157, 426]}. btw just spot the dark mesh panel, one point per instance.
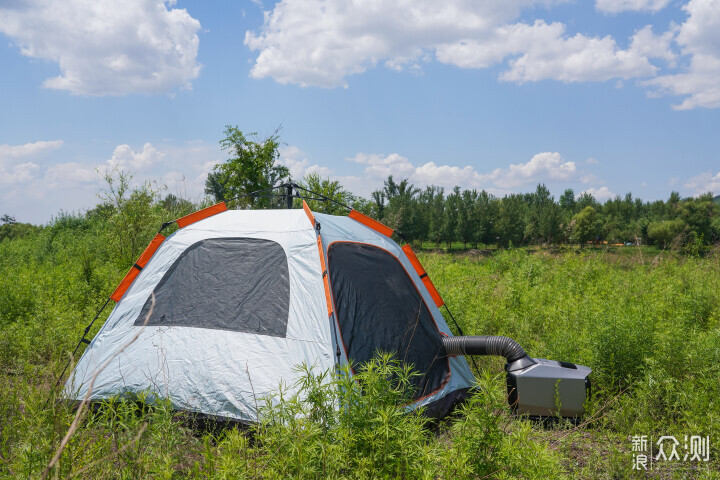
{"type": "Point", "coordinates": [238, 284]}
{"type": "Point", "coordinates": [378, 307]}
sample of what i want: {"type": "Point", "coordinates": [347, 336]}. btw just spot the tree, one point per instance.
{"type": "Point", "coordinates": [400, 213]}
{"type": "Point", "coordinates": [378, 204]}
{"type": "Point", "coordinates": [584, 225]}
{"type": "Point", "coordinates": [568, 204]}
{"type": "Point", "coordinates": [11, 229]}
{"type": "Point", "coordinates": [327, 188]}
{"type": "Point", "coordinates": [698, 214]}
{"type": "Point", "coordinates": [215, 186]}
{"type": "Point", "coordinates": [486, 211]}
{"type": "Point", "coordinates": [664, 233]}
{"type": "Point", "coordinates": [437, 216]}
{"type": "Point", "coordinates": [586, 199]}
{"type": "Point", "coordinates": [510, 220]}
{"type": "Point", "coordinates": [451, 219]}
{"type": "Point", "coordinates": [132, 218]}
{"type": "Point", "coordinates": [469, 221]}
{"type": "Point", "coordinates": [251, 167]}
{"type": "Point", "coordinates": [176, 206]}
{"type": "Point", "coordinates": [543, 223]}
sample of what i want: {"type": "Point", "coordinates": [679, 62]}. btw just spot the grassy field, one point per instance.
{"type": "Point", "coordinates": [647, 322]}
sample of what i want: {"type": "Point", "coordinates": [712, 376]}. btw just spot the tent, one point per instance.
{"type": "Point", "coordinates": [242, 297]}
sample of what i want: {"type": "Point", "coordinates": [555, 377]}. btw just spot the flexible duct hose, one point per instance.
{"type": "Point", "coordinates": [484, 345]}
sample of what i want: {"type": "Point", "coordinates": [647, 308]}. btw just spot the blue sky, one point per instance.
{"type": "Point", "coordinates": [610, 97]}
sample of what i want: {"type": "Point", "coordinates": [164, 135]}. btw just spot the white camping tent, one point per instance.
{"type": "Point", "coordinates": [242, 297]}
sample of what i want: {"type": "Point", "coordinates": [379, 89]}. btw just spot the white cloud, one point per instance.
{"type": "Point", "coordinates": [601, 194]}
{"type": "Point", "coordinates": [298, 164]}
{"type": "Point", "coordinates": [617, 6]}
{"type": "Point", "coordinates": [126, 159]}
{"type": "Point", "coordinates": [380, 167]}
{"type": "Point", "coordinates": [645, 43]}
{"type": "Point", "coordinates": [105, 47]}
{"type": "Point", "coordinates": [180, 169]}
{"type": "Point", "coordinates": [71, 173]}
{"type": "Point", "coordinates": [19, 173]}
{"type": "Point", "coordinates": [703, 183]}
{"type": "Point", "coordinates": [699, 39]}
{"type": "Point", "coordinates": [9, 152]}
{"type": "Point", "coordinates": [592, 161]}
{"type": "Point", "coordinates": [542, 168]}
{"type": "Point", "coordinates": [18, 162]}
{"type": "Point", "coordinates": [547, 53]}
{"type": "Point", "coordinates": [321, 43]}
{"type": "Point", "coordinates": [447, 175]}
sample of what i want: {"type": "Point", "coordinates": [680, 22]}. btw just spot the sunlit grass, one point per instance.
{"type": "Point", "coordinates": [647, 322]}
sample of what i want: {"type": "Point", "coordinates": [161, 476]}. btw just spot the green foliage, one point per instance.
{"type": "Point", "coordinates": [14, 230]}
{"type": "Point", "coordinates": [509, 224]}
{"type": "Point", "coordinates": [648, 327]}
{"type": "Point", "coordinates": [251, 167]}
{"type": "Point", "coordinates": [665, 232]}
{"type": "Point", "coordinates": [327, 188]}
{"type": "Point", "coordinates": [489, 444]}
{"type": "Point", "coordinates": [343, 426]}
{"type": "Point", "coordinates": [130, 219]}
{"type": "Point", "coordinates": [584, 225]}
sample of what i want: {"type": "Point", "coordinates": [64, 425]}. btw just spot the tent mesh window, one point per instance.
{"type": "Point", "coordinates": [237, 284]}
{"type": "Point", "coordinates": [378, 307]}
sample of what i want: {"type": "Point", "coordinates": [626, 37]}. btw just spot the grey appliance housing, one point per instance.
{"type": "Point", "coordinates": [547, 388]}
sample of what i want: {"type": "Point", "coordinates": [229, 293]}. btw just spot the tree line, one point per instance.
{"type": "Point", "coordinates": [474, 217]}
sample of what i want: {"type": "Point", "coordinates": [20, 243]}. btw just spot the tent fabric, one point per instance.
{"type": "Point", "coordinates": [213, 346]}
{"type": "Point", "coordinates": [379, 308]}
{"type": "Point", "coordinates": [336, 228]}
{"type": "Point", "coordinates": [203, 289]}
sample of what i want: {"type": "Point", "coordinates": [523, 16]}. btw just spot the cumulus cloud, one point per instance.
{"type": "Point", "coordinates": [125, 158]}
{"type": "Point", "coordinates": [321, 43]}
{"type": "Point", "coordinates": [18, 162]}
{"type": "Point", "coordinates": [29, 171]}
{"type": "Point", "coordinates": [617, 6]}
{"type": "Point", "coordinates": [296, 161]}
{"type": "Point", "coordinates": [18, 173]}
{"type": "Point", "coordinates": [544, 167]}
{"type": "Point", "coordinates": [699, 40]}
{"type": "Point", "coordinates": [544, 51]}
{"type": "Point", "coordinates": [550, 54]}
{"type": "Point", "coordinates": [703, 183]}
{"type": "Point", "coordinates": [106, 47]}
{"type": "Point", "coordinates": [71, 174]}
{"type": "Point", "coordinates": [600, 194]}
{"type": "Point", "coordinates": [382, 166]}
{"type": "Point", "coordinates": [9, 152]}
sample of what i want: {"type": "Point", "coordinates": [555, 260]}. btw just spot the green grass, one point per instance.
{"type": "Point", "coordinates": [647, 322]}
